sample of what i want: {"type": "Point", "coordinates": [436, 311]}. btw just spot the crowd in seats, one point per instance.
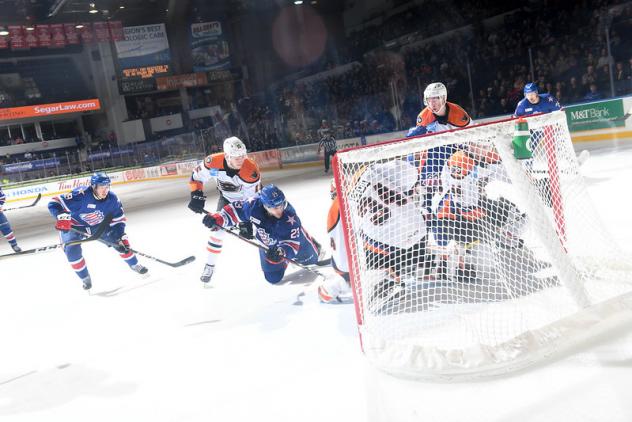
{"type": "Point", "coordinates": [569, 63]}
{"type": "Point", "coordinates": [150, 106]}
{"type": "Point", "coordinates": [27, 82]}
{"type": "Point", "coordinates": [431, 19]}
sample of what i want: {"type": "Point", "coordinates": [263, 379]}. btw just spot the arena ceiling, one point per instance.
{"type": "Point", "coordinates": [138, 11]}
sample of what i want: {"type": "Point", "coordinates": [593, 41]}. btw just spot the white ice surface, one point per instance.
{"type": "Point", "coordinates": [164, 348]}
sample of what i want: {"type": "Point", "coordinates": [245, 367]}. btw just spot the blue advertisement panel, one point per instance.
{"type": "Point", "coordinates": [31, 165]}
{"type": "Point", "coordinates": [209, 47]}
{"type": "Point", "coordinates": [110, 153]}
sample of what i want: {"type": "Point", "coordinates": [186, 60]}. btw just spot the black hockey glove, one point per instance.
{"type": "Point", "coordinates": [197, 202]}
{"type": "Point", "coordinates": [213, 221]}
{"type": "Point", "coordinates": [275, 254]}
{"type": "Point", "coordinates": [245, 230]}
{"type": "Point", "coordinates": [123, 245]}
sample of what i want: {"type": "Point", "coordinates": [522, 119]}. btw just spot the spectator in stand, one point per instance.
{"type": "Point", "coordinates": [505, 107]}
{"type": "Point", "coordinates": [621, 79]}
{"type": "Point", "coordinates": [593, 94]}
{"type": "Point", "coordinates": [574, 91]}
{"type": "Point", "coordinates": [589, 77]}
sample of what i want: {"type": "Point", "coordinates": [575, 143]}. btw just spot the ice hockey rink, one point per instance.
{"type": "Point", "coordinates": [163, 348]}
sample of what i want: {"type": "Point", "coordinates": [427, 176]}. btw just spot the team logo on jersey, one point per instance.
{"type": "Point", "coordinates": [228, 187]}
{"type": "Point", "coordinates": [291, 220]}
{"type": "Point", "coordinates": [92, 218]}
{"type": "Point", "coordinates": [265, 237]}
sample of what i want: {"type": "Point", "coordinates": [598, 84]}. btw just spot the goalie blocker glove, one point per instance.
{"type": "Point", "coordinates": [197, 202]}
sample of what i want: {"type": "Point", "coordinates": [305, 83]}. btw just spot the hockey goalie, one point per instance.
{"type": "Point", "coordinates": [385, 197]}
{"type": "Point", "coordinates": [476, 236]}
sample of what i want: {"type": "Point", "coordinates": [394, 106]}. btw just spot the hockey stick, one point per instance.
{"type": "Point", "coordinates": [180, 263]}
{"type": "Point", "coordinates": [105, 224]}
{"type": "Point", "coordinates": [39, 196]}
{"type": "Point", "coordinates": [257, 245]}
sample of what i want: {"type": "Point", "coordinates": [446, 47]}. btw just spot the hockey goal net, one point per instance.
{"type": "Point", "coordinates": [465, 260]}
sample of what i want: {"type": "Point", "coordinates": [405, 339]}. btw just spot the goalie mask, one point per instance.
{"type": "Point", "coordinates": [460, 165]}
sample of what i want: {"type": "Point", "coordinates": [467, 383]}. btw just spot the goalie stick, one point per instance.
{"type": "Point", "coordinates": [39, 196]}
{"type": "Point", "coordinates": [180, 263]}
{"type": "Point", "coordinates": [101, 228]}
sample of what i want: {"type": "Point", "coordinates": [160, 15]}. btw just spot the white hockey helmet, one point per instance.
{"type": "Point", "coordinates": [397, 175]}
{"type": "Point", "coordinates": [234, 147]}
{"type": "Point", "coordinates": [435, 89]}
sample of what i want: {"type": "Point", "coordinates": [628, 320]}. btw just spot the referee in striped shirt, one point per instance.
{"type": "Point", "coordinates": [327, 142]}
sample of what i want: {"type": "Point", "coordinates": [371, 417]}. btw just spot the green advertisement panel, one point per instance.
{"type": "Point", "coordinates": [599, 115]}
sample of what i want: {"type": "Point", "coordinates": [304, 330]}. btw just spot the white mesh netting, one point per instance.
{"type": "Point", "coordinates": [467, 261]}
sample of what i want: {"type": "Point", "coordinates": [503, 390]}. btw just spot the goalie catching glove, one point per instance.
{"type": "Point", "coordinates": [197, 202]}
{"type": "Point", "coordinates": [275, 254]}
{"type": "Point", "coordinates": [213, 221]}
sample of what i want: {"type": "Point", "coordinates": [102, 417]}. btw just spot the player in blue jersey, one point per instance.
{"type": "Point", "coordinates": [533, 103]}
{"type": "Point", "coordinates": [85, 208]}
{"type": "Point", "coordinates": [5, 227]}
{"type": "Point", "coordinates": [276, 226]}
{"type": "Point", "coordinates": [536, 103]}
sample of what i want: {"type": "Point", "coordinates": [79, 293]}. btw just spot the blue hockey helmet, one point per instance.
{"type": "Point", "coordinates": [530, 87]}
{"type": "Point", "coordinates": [100, 179]}
{"type": "Point", "coordinates": [272, 197]}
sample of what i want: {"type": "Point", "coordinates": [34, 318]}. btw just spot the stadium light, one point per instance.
{"type": "Point", "coordinates": [3, 32]}
{"type": "Point", "coordinates": [93, 11]}
{"type": "Point", "coordinates": [79, 26]}
{"type": "Point", "coordinates": [30, 28]}
{"type": "Point", "coordinates": [298, 2]}
{"type": "Point", "coordinates": [121, 7]}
